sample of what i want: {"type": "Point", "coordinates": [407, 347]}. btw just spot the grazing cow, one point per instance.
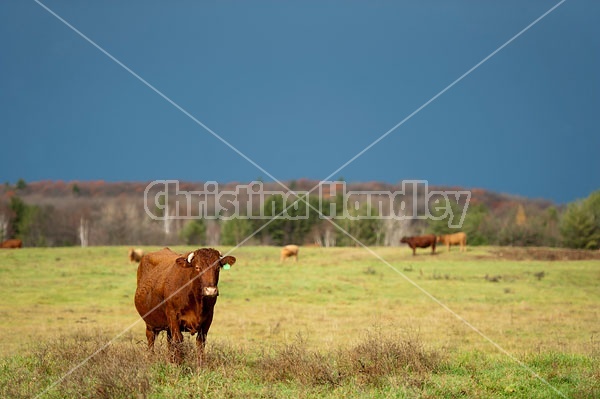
{"type": "Point", "coordinates": [288, 251]}
{"type": "Point", "coordinates": [454, 239]}
{"type": "Point", "coordinates": [135, 254]}
{"type": "Point", "coordinates": [13, 243]}
{"type": "Point", "coordinates": [420, 242]}
{"type": "Point", "coordinates": [177, 293]}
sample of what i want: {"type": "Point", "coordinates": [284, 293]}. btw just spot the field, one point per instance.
{"type": "Point", "coordinates": [492, 322]}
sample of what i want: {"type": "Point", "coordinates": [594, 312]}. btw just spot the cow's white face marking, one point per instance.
{"type": "Point", "coordinates": [190, 257]}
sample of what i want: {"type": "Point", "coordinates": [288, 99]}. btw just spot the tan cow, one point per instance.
{"type": "Point", "coordinates": [454, 239]}
{"type": "Point", "coordinates": [13, 243]}
{"type": "Point", "coordinates": [135, 254]}
{"type": "Point", "coordinates": [289, 251]}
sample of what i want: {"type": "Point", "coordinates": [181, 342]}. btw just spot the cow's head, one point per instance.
{"type": "Point", "coordinates": [404, 239]}
{"type": "Point", "coordinates": [207, 263]}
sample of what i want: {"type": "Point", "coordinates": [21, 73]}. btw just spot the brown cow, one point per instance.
{"type": "Point", "coordinates": [420, 242]}
{"type": "Point", "coordinates": [454, 239]}
{"type": "Point", "coordinates": [13, 243]}
{"type": "Point", "coordinates": [177, 293]}
{"type": "Point", "coordinates": [288, 251]}
{"type": "Point", "coordinates": [135, 254]}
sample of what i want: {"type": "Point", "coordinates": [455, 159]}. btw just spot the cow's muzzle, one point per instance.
{"type": "Point", "coordinates": [210, 291]}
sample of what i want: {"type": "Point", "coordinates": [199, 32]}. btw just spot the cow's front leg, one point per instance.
{"type": "Point", "coordinates": [175, 342]}
{"type": "Point", "coordinates": [201, 338]}
{"type": "Point", "coordinates": [200, 345]}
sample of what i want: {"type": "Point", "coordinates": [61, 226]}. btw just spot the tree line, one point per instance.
{"type": "Point", "coordinates": [71, 216]}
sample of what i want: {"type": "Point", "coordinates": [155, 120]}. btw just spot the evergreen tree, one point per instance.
{"type": "Point", "coordinates": [473, 223]}
{"type": "Point", "coordinates": [234, 231]}
{"type": "Point", "coordinates": [194, 232]}
{"type": "Point", "coordinates": [21, 185]}
{"type": "Point", "coordinates": [28, 222]}
{"type": "Point", "coordinates": [292, 225]}
{"type": "Point", "coordinates": [18, 208]}
{"type": "Point", "coordinates": [580, 224]}
{"type": "Point", "coordinates": [368, 230]}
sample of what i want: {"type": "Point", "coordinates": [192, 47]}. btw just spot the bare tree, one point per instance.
{"type": "Point", "coordinates": [213, 232]}
{"type": "Point", "coordinates": [167, 220]}
{"type": "Point", "coordinates": [84, 231]}
{"type": "Point", "coordinates": [3, 226]}
{"type": "Point", "coordinates": [394, 229]}
{"type": "Point", "coordinates": [323, 234]}
{"type": "Point", "coordinates": [329, 237]}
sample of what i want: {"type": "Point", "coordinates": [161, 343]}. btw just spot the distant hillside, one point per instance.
{"type": "Point", "coordinates": [43, 191]}
{"type": "Point", "coordinates": [111, 213]}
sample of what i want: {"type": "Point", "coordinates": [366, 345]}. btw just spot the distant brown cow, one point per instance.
{"type": "Point", "coordinates": [420, 242]}
{"type": "Point", "coordinates": [177, 293]}
{"type": "Point", "coordinates": [13, 243]}
{"type": "Point", "coordinates": [135, 254]}
{"type": "Point", "coordinates": [454, 239]}
{"type": "Point", "coordinates": [288, 251]}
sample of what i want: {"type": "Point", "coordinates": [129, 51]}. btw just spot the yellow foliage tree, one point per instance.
{"type": "Point", "coordinates": [521, 217]}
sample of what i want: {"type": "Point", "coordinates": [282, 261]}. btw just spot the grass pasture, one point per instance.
{"type": "Point", "coordinates": [339, 323]}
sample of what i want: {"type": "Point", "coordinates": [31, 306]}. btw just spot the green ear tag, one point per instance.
{"type": "Point", "coordinates": [226, 266]}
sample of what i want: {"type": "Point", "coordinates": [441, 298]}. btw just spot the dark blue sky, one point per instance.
{"type": "Point", "coordinates": [301, 88]}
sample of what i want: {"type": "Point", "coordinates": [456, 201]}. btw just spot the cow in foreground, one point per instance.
{"type": "Point", "coordinates": [289, 251]}
{"type": "Point", "coordinates": [425, 241]}
{"type": "Point", "coordinates": [135, 254]}
{"type": "Point", "coordinates": [454, 239]}
{"type": "Point", "coordinates": [177, 293]}
{"type": "Point", "coordinates": [13, 243]}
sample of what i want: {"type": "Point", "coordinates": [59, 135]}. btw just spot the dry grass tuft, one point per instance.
{"type": "Point", "coordinates": [378, 363]}
{"type": "Point", "coordinates": [294, 362]}
{"type": "Point", "coordinates": [84, 364]}
{"type": "Point", "coordinates": [372, 362]}
{"type": "Point", "coordinates": [376, 359]}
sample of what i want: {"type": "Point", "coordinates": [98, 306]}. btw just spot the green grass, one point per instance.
{"type": "Point", "coordinates": [322, 327]}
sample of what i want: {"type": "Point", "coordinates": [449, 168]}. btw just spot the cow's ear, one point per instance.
{"type": "Point", "coordinates": [182, 262]}
{"type": "Point", "coordinates": [228, 260]}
